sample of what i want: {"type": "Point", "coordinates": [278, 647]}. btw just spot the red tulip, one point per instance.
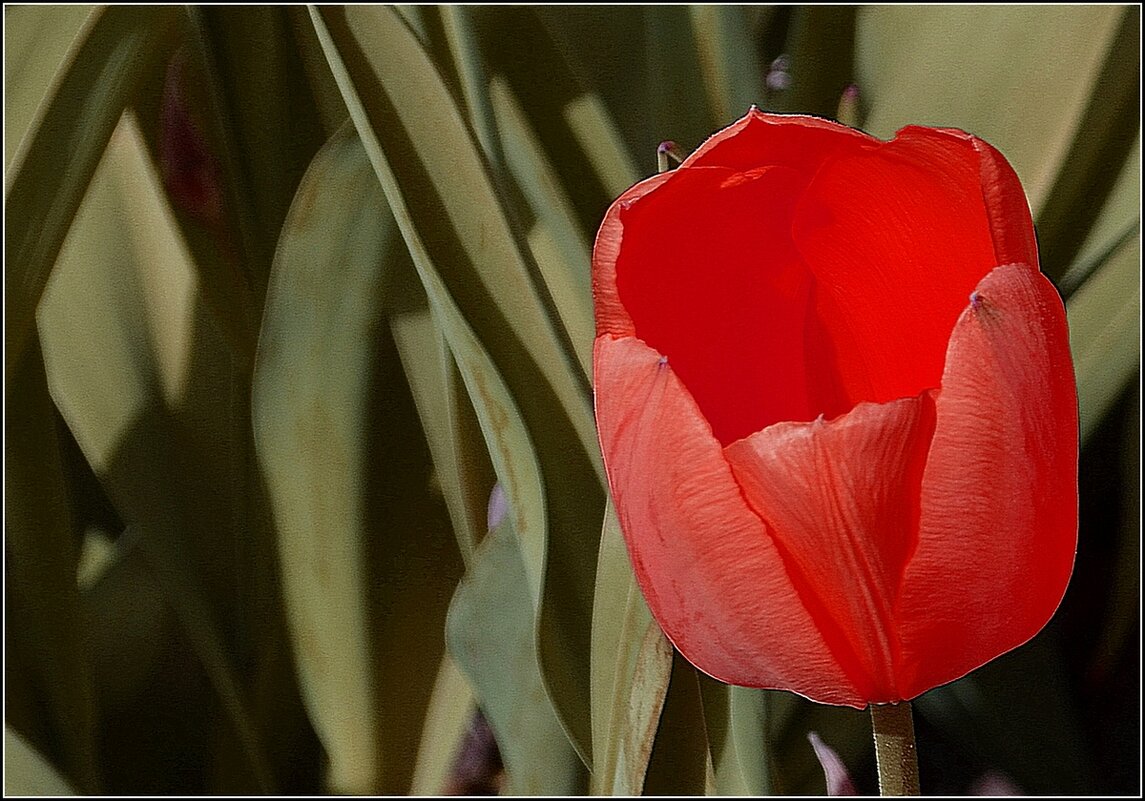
{"type": "Point", "coordinates": [837, 407]}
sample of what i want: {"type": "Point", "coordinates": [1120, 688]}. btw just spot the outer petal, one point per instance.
{"type": "Point", "coordinates": [842, 499]}
{"type": "Point", "coordinates": [1011, 226]}
{"type": "Point", "coordinates": [998, 525]}
{"type": "Point", "coordinates": [1007, 209]}
{"type": "Point", "coordinates": [611, 316]}
{"type": "Point", "coordinates": [757, 139]}
{"type": "Point", "coordinates": [897, 237]}
{"type": "Point", "coordinates": [708, 568]}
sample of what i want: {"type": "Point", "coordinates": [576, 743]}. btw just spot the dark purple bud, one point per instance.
{"type": "Point", "coordinates": [477, 768]}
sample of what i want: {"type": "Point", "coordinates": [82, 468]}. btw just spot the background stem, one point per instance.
{"type": "Point", "coordinates": [894, 748]}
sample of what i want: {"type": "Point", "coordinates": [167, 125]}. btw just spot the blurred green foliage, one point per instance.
{"type": "Point", "coordinates": [289, 289]}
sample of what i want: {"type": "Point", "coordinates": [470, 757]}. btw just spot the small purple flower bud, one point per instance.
{"type": "Point", "coordinates": [838, 777]}
{"type": "Point", "coordinates": [778, 80]}
{"type": "Point", "coordinates": [498, 507]}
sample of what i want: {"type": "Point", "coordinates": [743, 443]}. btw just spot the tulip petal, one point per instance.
{"type": "Point", "coordinates": [998, 526]}
{"type": "Point", "coordinates": [611, 316]}
{"type": "Point", "coordinates": [897, 237]}
{"type": "Point", "coordinates": [708, 568]}
{"type": "Point", "coordinates": [710, 278]}
{"type": "Point", "coordinates": [798, 141]}
{"type": "Point", "coordinates": [1007, 209]}
{"type": "Point", "coordinates": [1011, 226]}
{"type": "Point", "coordinates": [841, 498]}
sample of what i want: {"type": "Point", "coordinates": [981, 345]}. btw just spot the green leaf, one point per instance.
{"type": "Point", "coordinates": [466, 253]}
{"type": "Point", "coordinates": [451, 429]}
{"type": "Point", "coordinates": [681, 761]}
{"type": "Point", "coordinates": [679, 103]}
{"type": "Point", "coordinates": [490, 634]}
{"type": "Point", "coordinates": [363, 544]}
{"type": "Point", "coordinates": [1118, 222]}
{"type": "Point", "coordinates": [729, 60]}
{"type": "Point", "coordinates": [1104, 332]}
{"type": "Point", "coordinates": [573, 122]}
{"type": "Point", "coordinates": [736, 722]}
{"type": "Point", "coordinates": [36, 40]}
{"type": "Point", "coordinates": [631, 666]}
{"type": "Point", "coordinates": [265, 120]}
{"type": "Point", "coordinates": [463, 45]}
{"type": "Point", "coordinates": [27, 772]}
{"type": "Point", "coordinates": [49, 173]}
{"type": "Point", "coordinates": [986, 70]}
{"type": "Point", "coordinates": [144, 394]}
{"type": "Point", "coordinates": [447, 720]}
{"type": "Point", "coordinates": [311, 400]}
{"type": "Point", "coordinates": [561, 251]}
{"type": "Point", "coordinates": [1104, 137]}
{"type": "Point", "coordinates": [49, 692]}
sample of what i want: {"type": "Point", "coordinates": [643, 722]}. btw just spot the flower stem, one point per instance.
{"type": "Point", "coordinates": [894, 748]}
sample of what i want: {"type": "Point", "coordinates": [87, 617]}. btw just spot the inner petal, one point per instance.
{"type": "Point", "coordinates": [897, 237]}
{"type": "Point", "coordinates": [711, 278]}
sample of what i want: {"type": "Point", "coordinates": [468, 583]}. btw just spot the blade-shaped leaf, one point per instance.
{"type": "Point", "coordinates": [729, 60]}
{"type": "Point", "coordinates": [48, 692]}
{"type": "Point", "coordinates": [56, 159]}
{"type": "Point", "coordinates": [736, 722]}
{"type": "Point", "coordinates": [631, 666]}
{"type": "Point", "coordinates": [454, 436]}
{"type": "Point", "coordinates": [1105, 328]}
{"type": "Point", "coordinates": [27, 772]}
{"type": "Point", "coordinates": [454, 225]}
{"type": "Point", "coordinates": [121, 378]}
{"type": "Point", "coordinates": [490, 634]}
{"type": "Point", "coordinates": [36, 39]}
{"type": "Point", "coordinates": [681, 761]}
{"type": "Point", "coordinates": [562, 252]}
{"type": "Point", "coordinates": [310, 402]}
{"type": "Point", "coordinates": [446, 721]}
{"type": "Point", "coordinates": [988, 71]}
{"type": "Point", "coordinates": [1103, 139]}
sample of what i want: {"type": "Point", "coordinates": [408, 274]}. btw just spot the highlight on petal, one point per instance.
{"type": "Point", "coordinates": [998, 521]}
{"type": "Point", "coordinates": [842, 500]}
{"type": "Point", "coordinates": [707, 565]}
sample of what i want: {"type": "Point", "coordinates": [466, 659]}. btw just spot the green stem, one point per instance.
{"type": "Point", "coordinates": [895, 749]}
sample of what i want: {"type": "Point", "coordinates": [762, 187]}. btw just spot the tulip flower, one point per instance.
{"type": "Point", "coordinates": [837, 408]}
